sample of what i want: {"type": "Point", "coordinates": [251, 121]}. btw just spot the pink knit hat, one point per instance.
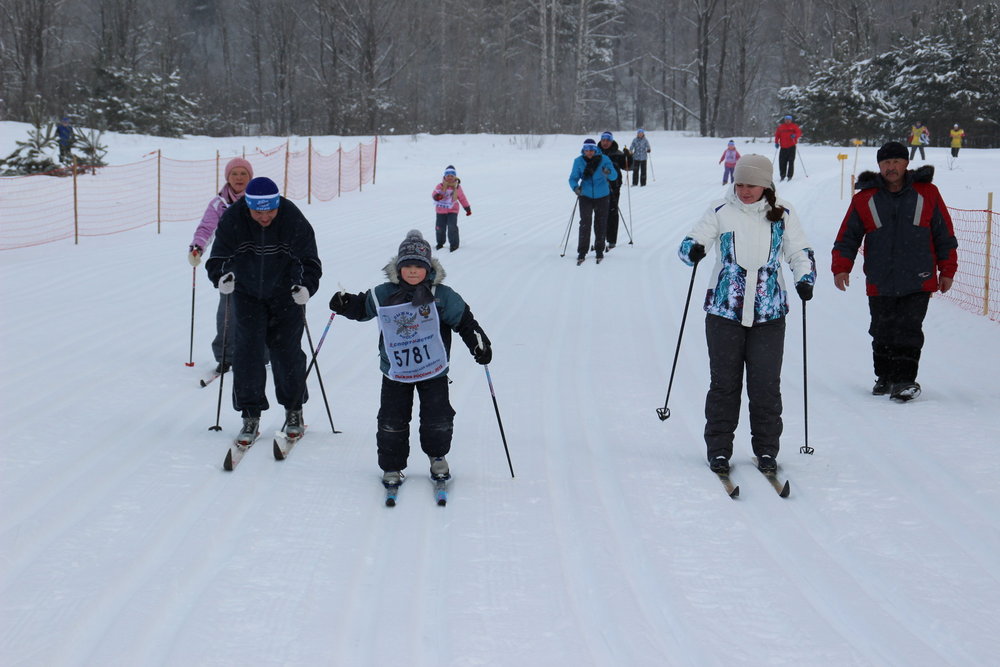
{"type": "Point", "coordinates": [238, 162]}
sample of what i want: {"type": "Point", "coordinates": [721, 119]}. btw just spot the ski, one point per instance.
{"type": "Point", "coordinates": [391, 492]}
{"type": "Point", "coordinates": [283, 444]}
{"type": "Point", "coordinates": [732, 489]}
{"type": "Point", "coordinates": [235, 455]}
{"type": "Point", "coordinates": [440, 491]}
{"type": "Point", "coordinates": [205, 381]}
{"type": "Point", "coordinates": [783, 489]}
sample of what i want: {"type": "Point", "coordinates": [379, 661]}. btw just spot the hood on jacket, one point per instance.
{"type": "Point", "coordinates": [436, 274]}
{"type": "Point", "coordinates": [873, 179]}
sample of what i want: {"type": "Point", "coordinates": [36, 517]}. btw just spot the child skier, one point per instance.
{"type": "Point", "coordinates": [447, 196]}
{"type": "Point", "coordinates": [414, 347]}
{"type": "Point", "coordinates": [729, 156]}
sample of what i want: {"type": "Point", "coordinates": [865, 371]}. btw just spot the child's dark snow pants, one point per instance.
{"type": "Point", "coordinates": [395, 412]}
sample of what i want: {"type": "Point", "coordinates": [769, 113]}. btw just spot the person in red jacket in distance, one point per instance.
{"type": "Point", "coordinates": [785, 138]}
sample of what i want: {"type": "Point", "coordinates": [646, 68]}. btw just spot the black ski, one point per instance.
{"type": "Point", "coordinates": [283, 444]}
{"type": "Point", "coordinates": [205, 381]}
{"type": "Point", "coordinates": [783, 489]}
{"type": "Point", "coordinates": [440, 491]}
{"type": "Point", "coordinates": [732, 489]}
{"type": "Point", "coordinates": [391, 493]}
{"type": "Point", "coordinates": [235, 454]}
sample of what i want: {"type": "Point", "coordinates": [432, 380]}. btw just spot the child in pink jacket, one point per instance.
{"type": "Point", "coordinates": [729, 156]}
{"type": "Point", "coordinates": [447, 196]}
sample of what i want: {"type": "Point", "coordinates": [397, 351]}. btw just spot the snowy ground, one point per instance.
{"type": "Point", "coordinates": [122, 541]}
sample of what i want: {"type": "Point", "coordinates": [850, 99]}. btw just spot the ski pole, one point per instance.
{"type": "Point", "coordinates": [805, 449]}
{"type": "Point", "coordinates": [222, 376]}
{"type": "Point", "coordinates": [664, 412]}
{"type": "Point", "coordinates": [802, 162]}
{"type": "Point", "coordinates": [315, 363]}
{"type": "Point", "coordinates": [628, 195]}
{"type": "Point", "coordinates": [496, 409]}
{"type": "Point", "coordinates": [570, 226]}
{"type": "Point", "coordinates": [652, 174]}
{"type": "Point", "coordinates": [319, 346]}
{"type": "Point", "coordinates": [194, 281]}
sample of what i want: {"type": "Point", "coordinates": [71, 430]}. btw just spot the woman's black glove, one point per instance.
{"type": "Point", "coordinates": [804, 289]}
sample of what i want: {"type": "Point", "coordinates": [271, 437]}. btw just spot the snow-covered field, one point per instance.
{"type": "Point", "coordinates": [122, 541]}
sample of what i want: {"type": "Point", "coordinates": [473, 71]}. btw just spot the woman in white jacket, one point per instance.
{"type": "Point", "coordinates": [752, 231]}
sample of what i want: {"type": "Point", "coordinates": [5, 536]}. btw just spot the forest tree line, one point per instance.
{"type": "Point", "coordinates": [715, 67]}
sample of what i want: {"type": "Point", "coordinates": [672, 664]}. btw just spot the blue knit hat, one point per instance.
{"type": "Point", "coordinates": [262, 194]}
{"type": "Point", "coordinates": [450, 171]}
{"type": "Point", "coordinates": [589, 145]}
{"type": "Point", "coordinates": [640, 131]}
{"type": "Point", "coordinates": [607, 135]}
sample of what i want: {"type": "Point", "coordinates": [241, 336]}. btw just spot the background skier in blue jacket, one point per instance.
{"type": "Point", "coordinates": [590, 177]}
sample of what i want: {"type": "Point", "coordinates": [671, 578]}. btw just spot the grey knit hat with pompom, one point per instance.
{"type": "Point", "coordinates": [414, 249]}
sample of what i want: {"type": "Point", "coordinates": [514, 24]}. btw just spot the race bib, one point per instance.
{"type": "Point", "coordinates": [448, 202]}
{"type": "Point", "coordinates": [412, 338]}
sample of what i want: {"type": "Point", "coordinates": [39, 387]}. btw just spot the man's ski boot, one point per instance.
{"type": "Point", "coordinates": [719, 465]}
{"type": "Point", "coordinates": [249, 432]}
{"type": "Point", "coordinates": [882, 387]}
{"type": "Point", "coordinates": [293, 424]}
{"type": "Point", "coordinates": [905, 391]}
{"type": "Point", "coordinates": [767, 464]}
{"type": "Point", "coordinates": [392, 478]}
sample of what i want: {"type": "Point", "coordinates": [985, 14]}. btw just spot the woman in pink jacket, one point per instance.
{"type": "Point", "coordinates": [447, 196]}
{"type": "Point", "coordinates": [238, 174]}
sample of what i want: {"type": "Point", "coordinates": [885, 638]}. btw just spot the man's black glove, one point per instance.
{"type": "Point", "coordinates": [351, 306]}
{"type": "Point", "coordinates": [804, 289]}
{"type": "Point", "coordinates": [475, 338]}
{"type": "Point", "coordinates": [697, 253]}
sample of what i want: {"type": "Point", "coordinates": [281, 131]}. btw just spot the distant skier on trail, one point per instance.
{"type": "Point", "coordinates": [590, 180]}
{"type": "Point", "coordinates": [920, 136]}
{"type": "Point", "coordinates": [238, 173]}
{"type": "Point", "coordinates": [416, 315]}
{"type": "Point", "coordinates": [640, 150]}
{"type": "Point", "coordinates": [910, 252]}
{"type": "Point", "coordinates": [729, 156]}
{"type": "Point", "coordinates": [786, 137]}
{"type": "Point", "coordinates": [753, 232]}
{"type": "Point", "coordinates": [447, 196]}
{"type": "Point", "coordinates": [265, 259]}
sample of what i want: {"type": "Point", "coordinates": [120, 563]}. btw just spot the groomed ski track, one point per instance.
{"type": "Point", "coordinates": [122, 541]}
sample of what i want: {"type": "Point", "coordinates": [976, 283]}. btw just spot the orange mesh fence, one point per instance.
{"type": "Point", "coordinates": [977, 283]}
{"type": "Point", "coordinates": [45, 208]}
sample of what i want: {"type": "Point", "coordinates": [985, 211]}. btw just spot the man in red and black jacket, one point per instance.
{"type": "Point", "coordinates": [910, 251]}
{"type": "Point", "coordinates": [786, 137]}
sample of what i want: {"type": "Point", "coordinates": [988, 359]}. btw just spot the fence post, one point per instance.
{"type": "Point", "coordinates": [375, 160]}
{"type": "Point", "coordinates": [989, 243]}
{"type": "Point", "coordinates": [309, 178]}
{"type": "Point", "coordinates": [285, 189]}
{"type": "Point", "coordinates": [361, 167]}
{"type": "Point", "coordinates": [340, 165]}
{"type": "Point", "coordinates": [76, 211]}
{"type": "Point", "coordinates": [159, 153]}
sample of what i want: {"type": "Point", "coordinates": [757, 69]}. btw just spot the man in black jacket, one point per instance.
{"type": "Point", "coordinates": [610, 148]}
{"type": "Point", "coordinates": [264, 257]}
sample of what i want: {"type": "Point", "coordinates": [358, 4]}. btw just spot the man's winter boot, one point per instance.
{"type": "Point", "coordinates": [293, 424]}
{"type": "Point", "coordinates": [392, 478]}
{"type": "Point", "coordinates": [905, 391]}
{"type": "Point", "coordinates": [249, 432]}
{"type": "Point", "coordinates": [767, 463]}
{"type": "Point", "coordinates": [720, 464]}
{"type": "Point", "coordinates": [439, 468]}
{"type": "Point", "coordinates": [882, 387]}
